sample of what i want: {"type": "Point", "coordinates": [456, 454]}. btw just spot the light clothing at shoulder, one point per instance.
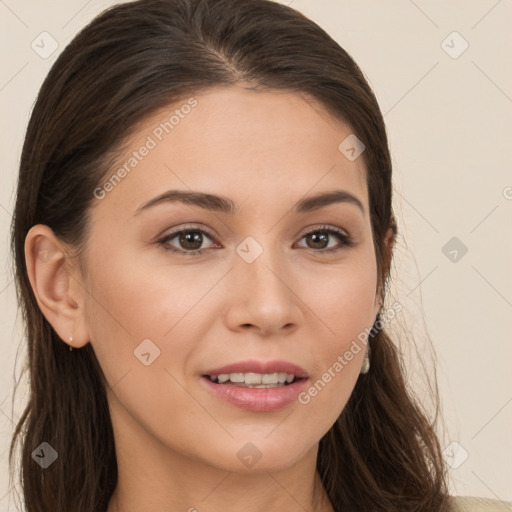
{"type": "Point", "coordinates": [474, 504]}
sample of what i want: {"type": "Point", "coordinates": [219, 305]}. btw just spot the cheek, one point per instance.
{"type": "Point", "coordinates": [343, 299]}
{"type": "Point", "coordinates": [345, 306]}
{"type": "Point", "coordinates": [138, 299]}
{"type": "Point", "coordinates": [131, 312]}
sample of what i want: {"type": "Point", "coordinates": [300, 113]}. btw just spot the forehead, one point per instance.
{"type": "Point", "coordinates": [244, 144]}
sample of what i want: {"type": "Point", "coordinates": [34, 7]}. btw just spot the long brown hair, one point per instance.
{"type": "Point", "coordinates": [135, 58]}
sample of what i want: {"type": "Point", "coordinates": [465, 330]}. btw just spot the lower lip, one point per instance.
{"type": "Point", "coordinates": [257, 399]}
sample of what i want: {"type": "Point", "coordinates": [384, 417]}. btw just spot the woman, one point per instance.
{"type": "Point", "coordinates": [204, 219]}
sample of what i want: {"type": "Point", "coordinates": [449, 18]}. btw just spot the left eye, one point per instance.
{"type": "Point", "coordinates": [318, 236]}
{"type": "Point", "coordinates": [191, 240]}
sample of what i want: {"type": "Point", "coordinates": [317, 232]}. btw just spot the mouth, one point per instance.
{"type": "Point", "coordinates": [255, 380]}
{"type": "Point", "coordinates": [255, 385]}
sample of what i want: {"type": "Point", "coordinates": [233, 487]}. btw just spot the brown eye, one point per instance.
{"type": "Point", "coordinates": [188, 241]}
{"type": "Point", "coordinates": [318, 240]}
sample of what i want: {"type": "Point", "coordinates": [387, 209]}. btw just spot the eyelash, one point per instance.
{"type": "Point", "coordinates": [347, 242]}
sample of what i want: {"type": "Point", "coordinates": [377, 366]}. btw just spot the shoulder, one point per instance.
{"type": "Point", "coordinates": [475, 504]}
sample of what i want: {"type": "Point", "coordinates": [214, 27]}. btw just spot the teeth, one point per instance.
{"type": "Point", "coordinates": [254, 379]}
{"type": "Point", "coordinates": [270, 378]}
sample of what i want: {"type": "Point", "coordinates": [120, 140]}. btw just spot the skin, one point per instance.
{"type": "Point", "coordinates": [176, 443]}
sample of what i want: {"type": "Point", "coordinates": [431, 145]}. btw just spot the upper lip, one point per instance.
{"type": "Point", "coordinates": [255, 366]}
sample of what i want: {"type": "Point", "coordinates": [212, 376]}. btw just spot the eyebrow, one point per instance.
{"type": "Point", "coordinates": [225, 205]}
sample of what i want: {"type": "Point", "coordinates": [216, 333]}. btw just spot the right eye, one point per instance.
{"type": "Point", "coordinates": [190, 240]}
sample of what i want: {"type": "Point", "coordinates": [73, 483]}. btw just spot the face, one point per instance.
{"type": "Point", "coordinates": [180, 293]}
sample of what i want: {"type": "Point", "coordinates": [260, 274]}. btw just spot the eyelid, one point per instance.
{"type": "Point", "coordinates": [323, 227]}
{"type": "Point", "coordinates": [191, 227]}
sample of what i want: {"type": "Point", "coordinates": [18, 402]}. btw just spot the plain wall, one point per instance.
{"type": "Point", "coordinates": [449, 119]}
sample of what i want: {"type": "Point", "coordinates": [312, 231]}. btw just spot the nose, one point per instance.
{"type": "Point", "coordinates": [262, 296]}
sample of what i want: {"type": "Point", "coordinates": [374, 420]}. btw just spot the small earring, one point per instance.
{"type": "Point", "coordinates": [365, 368]}
{"type": "Point", "coordinates": [70, 340]}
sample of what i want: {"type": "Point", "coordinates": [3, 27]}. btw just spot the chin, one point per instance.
{"type": "Point", "coordinates": [261, 454]}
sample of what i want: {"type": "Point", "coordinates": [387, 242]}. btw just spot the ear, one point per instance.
{"type": "Point", "coordinates": [57, 289]}
{"type": "Point", "coordinates": [389, 241]}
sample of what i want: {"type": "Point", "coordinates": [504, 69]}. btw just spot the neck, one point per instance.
{"type": "Point", "coordinates": [268, 493]}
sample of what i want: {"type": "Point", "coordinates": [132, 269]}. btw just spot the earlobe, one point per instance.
{"type": "Point", "coordinates": [389, 242]}
{"type": "Point", "coordinates": [53, 285]}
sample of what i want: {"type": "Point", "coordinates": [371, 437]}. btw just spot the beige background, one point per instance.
{"type": "Point", "coordinates": [449, 118]}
